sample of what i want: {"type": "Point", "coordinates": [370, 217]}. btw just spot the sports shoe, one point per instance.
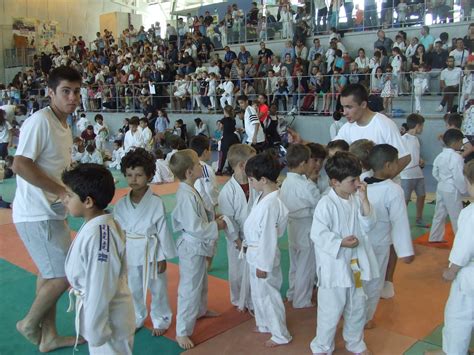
{"type": "Point", "coordinates": [388, 291]}
{"type": "Point", "coordinates": [440, 108]}
{"type": "Point", "coordinates": [421, 223]}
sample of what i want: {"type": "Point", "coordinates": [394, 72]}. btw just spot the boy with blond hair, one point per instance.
{"type": "Point", "coordinates": [196, 242]}
{"type": "Point", "coordinates": [235, 201]}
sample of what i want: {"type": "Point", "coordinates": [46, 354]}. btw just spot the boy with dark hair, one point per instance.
{"type": "Point", "coordinates": [44, 151]}
{"type": "Point", "coordinates": [447, 170]}
{"type": "Point", "coordinates": [344, 255]}
{"type": "Point", "coordinates": [92, 155]}
{"type": "Point", "coordinates": [95, 265]}
{"type": "Point", "coordinates": [265, 224]}
{"type": "Point", "coordinates": [300, 195]}
{"type": "Point", "coordinates": [392, 227]}
{"type": "Point", "coordinates": [117, 154]}
{"type": "Point", "coordinates": [149, 243]}
{"type": "Point", "coordinates": [133, 138]}
{"type": "Point", "coordinates": [101, 131]}
{"type": "Point", "coordinates": [338, 145]}
{"type": "Point", "coordinates": [197, 241]}
{"type": "Point", "coordinates": [235, 201]}
{"type": "Point", "coordinates": [412, 178]}
{"type": "Point", "coordinates": [316, 172]}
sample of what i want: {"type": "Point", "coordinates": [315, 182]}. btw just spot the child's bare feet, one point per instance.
{"type": "Point", "coordinates": [271, 344]}
{"type": "Point", "coordinates": [211, 314]}
{"type": "Point", "coordinates": [33, 335]}
{"type": "Point", "coordinates": [58, 342]}
{"type": "Point", "coordinates": [185, 342]}
{"type": "Point", "coordinates": [370, 324]}
{"type": "Point", "coordinates": [156, 332]}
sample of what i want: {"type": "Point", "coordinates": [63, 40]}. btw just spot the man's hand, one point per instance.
{"type": "Point", "coordinates": [261, 274]}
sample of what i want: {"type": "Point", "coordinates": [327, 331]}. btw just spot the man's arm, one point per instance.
{"type": "Point", "coordinates": [32, 173]}
{"type": "Point", "coordinates": [403, 162]}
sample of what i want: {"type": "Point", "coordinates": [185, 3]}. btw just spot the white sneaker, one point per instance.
{"type": "Point", "coordinates": [388, 291]}
{"type": "Point", "coordinates": [440, 108]}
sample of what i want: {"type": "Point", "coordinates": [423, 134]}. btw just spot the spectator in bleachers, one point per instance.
{"type": "Point", "coordinates": [459, 54]}
{"type": "Point", "coordinates": [469, 37]}
{"type": "Point", "coordinates": [243, 55]}
{"type": "Point", "coordinates": [449, 84]}
{"type": "Point", "coordinates": [286, 19]}
{"type": "Point", "coordinates": [419, 57]}
{"type": "Point", "coordinates": [426, 39]}
{"type": "Point", "coordinates": [301, 51]}
{"type": "Point", "coordinates": [317, 48]}
{"type": "Point", "coordinates": [383, 41]}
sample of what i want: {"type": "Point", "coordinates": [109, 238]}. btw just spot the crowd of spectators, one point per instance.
{"type": "Point", "coordinates": [141, 71]}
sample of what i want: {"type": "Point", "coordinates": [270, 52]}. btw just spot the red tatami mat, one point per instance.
{"type": "Point", "coordinates": [448, 236]}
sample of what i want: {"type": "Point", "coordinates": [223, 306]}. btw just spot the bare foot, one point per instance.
{"type": "Point", "coordinates": [211, 314]}
{"type": "Point", "coordinates": [156, 332]}
{"type": "Point", "coordinates": [185, 342]}
{"type": "Point", "coordinates": [33, 335]}
{"type": "Point", "coordinates": [256, 330]}
{"type": "Point", "coordinates": [370, 324]}
{"type": "Point", "coordinates": [59, 342]}
{"type": "Point", "coordinates": [271, 344]}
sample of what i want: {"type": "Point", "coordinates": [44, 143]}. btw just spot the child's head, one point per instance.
{"type": "Point", "coordinates": [343, 169]}
{"type": "Point", "coordinates": [89, 187]}
{"type": "Point", "coordinates": [185, 165]}
{"type": "Point", "coordinates": [318, 155]}
{"type": "Point", "coordinates": [453, 138]}
{"type": "Point", "coordinates": [133, 124]}
{"type": "Point", "coordinates": [201, 145]}
{"type": "Point", "coordinates": [90, 148]}
{"type": "Point", "coordinates": [339, 145]}
{"type": "Point", "coordinates": [297, 157]}
{"type": "Point", "coordinates": [117, 144]}
{"type": "Point", "coordinates": [159, 154]}
{"type": "Point", "coordinates": [454, 120]}
{"type": "Point", "coordinates": [263, 169]}
{"type": "Point", "coordinates": [82, 115]}
{"type": "Point", "coordinates": [77, 141]}
{"type": "Point", "coordinates": [238, 156]}
{"type": "Point", "coordinates": [138, 167]}
{"type": "Point", "coordinates": [415, 122]}
{"type": "Point", "coordinates": [422, 67]}
{"type": "Point", "coordinates": [361, 149]}
{"type": "Point", "coordinates": [179, 122]}
{"type": "Point", "coordinates": [90, 129]}
{"type": "Point", "coordinates": [383, 159]}
{"type": "Point", "coordinates": [99, 118]}
{"type": "Point", "coordinates": [143, 122]}
{"type": "Point", "coordinates": [469, 174]}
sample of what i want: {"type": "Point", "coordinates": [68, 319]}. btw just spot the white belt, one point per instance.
{"type": "Point", "coordinates": [244, 245]}
{"type": "Point", "coordinates": [77, 306]}
{"type": "Point", "coordinates": [151, 244]}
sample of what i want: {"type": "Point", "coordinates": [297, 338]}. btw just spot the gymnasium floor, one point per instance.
{"type": "Point", "coordinates": [410, 323]}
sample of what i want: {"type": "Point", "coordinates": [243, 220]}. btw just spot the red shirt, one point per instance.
{"type": "Point", "coordinates": [263, 112]}
{"type": "Point", "coordinates": [246, 189]}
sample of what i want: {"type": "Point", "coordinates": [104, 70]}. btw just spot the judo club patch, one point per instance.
{"type": "Point", "coordinates": [104, 244]}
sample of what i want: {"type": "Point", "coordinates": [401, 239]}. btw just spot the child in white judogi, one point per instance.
{"type": "Point", "coordinates": [361, 149]}
{"type": "Point", "coordinates": [316, 172]}
{"type": "Point", "coordinates": [82, 123]}
{"type": "Point", "coordinates": [147, 135]}
{"type": "Point", "coordinates": [92, 155]}
{"type": "Point", "coordinates": [96, 264]}
{"type": "Point", "coordinates": [101, 131]}
{"type": "Point", "coordinates": [344, 255]}
{"type": "Point", "coordinates": [163, 173]}
{"type": "Point", "coordinates": [447, 170]}
{"type": "Point", "coordinates": [117, 154]}
{"type": "Point", "coordinates": [197, 240]}
{"type": "Point", "coordinates": [265, 224]}
{"type": "Point", "coordinates": [78, 149]}
{"type": "Point", "coordinates": [142, 216]}
{"type": "Point", "coordinates": [133, 138]}
{"type": "Point", "coordinates": [235, 201]}
{"type": "Point", "coordinates": [459, 311]}
{"type": "Point", "coordinates": [392, 227]}
{"type": "Point", "coordinates": [300, 195]}
{"type": "Point", "coordinates": [206, 185]}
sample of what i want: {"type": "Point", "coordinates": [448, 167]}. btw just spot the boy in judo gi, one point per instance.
{"type": "Point", "coordinates": [448, 171]}
{"type": "Point", "coordinates": [392, 227]}
{"type": "Point", "coordinates": [102, 132]}
{"type": "Point", "coordinates": [142, 216]}
{"type": "Point", "coordinates": [96, 264]}
{"type": "Point", "coordinates": [361, 149]}
{"type": "Point", "coordinates": [265, 224]}
{"type": "Point", "coordinates": [197, 241]}
{"type": "Point", "coordinates": [206, 185]}
{"type": "Point", "coordinates": [344, 256]}
{"type": "Point", "coordinates": [459, 311]}
{"type": "Point", "coordinates": [235, 201]}
{"type": "Point", "coordinates": [300, 195]}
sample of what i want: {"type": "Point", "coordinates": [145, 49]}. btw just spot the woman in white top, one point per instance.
{"type": "Point", "coordinates": [5, 135]}
{"type": "Point", "coordinates": [362, 65]}
{"type": "Point", "coordinates": [201, 127]}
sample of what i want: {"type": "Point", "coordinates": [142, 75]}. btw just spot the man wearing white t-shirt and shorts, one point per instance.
{"type": "Point", "coordinates": [363, 123]}
{"type": "Point", "coordinates": [44, 152]}
{"type": "Point", "coordinates": [253, 127]}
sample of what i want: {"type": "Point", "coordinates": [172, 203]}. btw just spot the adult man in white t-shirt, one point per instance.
{"type": "Point", "coordinates": [459, 53]}
{"type": "Point", "coordinates": [449, 84]}
{"type": "Point", "coordinates": [44, 151]}
{"type": "Point", "coordinates": [363, 123]}
{"type": "Point", "coordinates": [253, 128]}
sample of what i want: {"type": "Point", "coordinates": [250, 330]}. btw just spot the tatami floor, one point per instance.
{"type": "Point", "coordinates": [409, 323]}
